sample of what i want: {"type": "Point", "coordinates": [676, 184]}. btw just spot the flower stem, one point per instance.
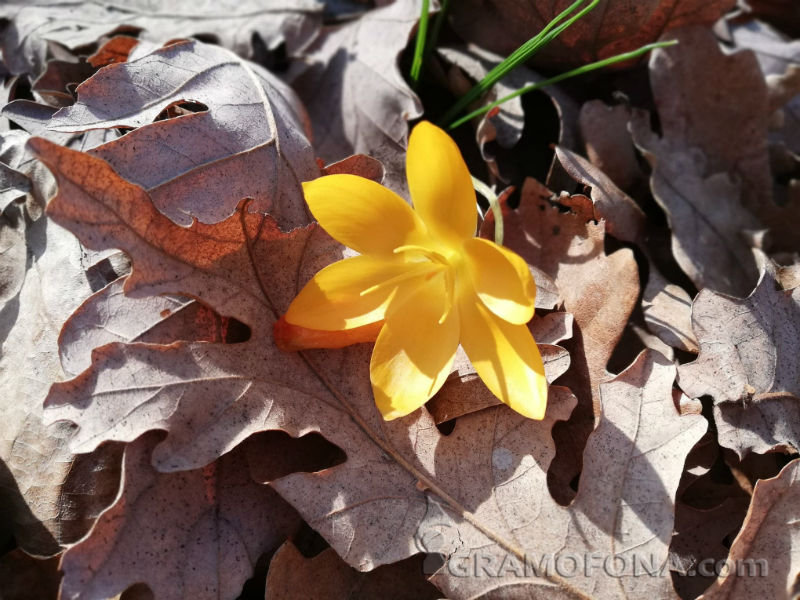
{"type": "Point", "coordinates": [574, 72]}
{"type": "Point", "coordinates": [485, 191]}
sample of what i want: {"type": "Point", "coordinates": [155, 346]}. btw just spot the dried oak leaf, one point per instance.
{"type": "Point", "coordinates": [50, 497]}
{"type": "Point", "coordinates": [110, 316]}
{"type": "Point", "coordinates": [355, 94]}
{"type": "Point", "coordinates": [747, 363]}
{"type": "Point", "coordinates": [705, 213]}
{"type": "Point", "coordinates": [614, 26]}
{"type": "Point", "coordinates": [569, 247]}
{"type": "Point", "coordinates": [328, 577]}
{"type": "Point", "coordinates": [604, 130]}
{"type": "Point", "coordinates": [487, 479]}
{"type": "Point", "coordinates": [624, 507]}
{"type": "Point", "coordinates": [700, 535]}
{"type": "Point", "coordinates": [248, 142]}
{"type": "Point", "coordinates": [691, 82]}
{"type": "Point", "coordinates": [73, 24]}
{"type": "Point", "coordinates": [192, 534]}
{"type": "Point", "coordinates": [763, 561]}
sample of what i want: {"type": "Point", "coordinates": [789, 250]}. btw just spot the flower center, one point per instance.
{"type": "Point", "coordinates": [448, 272]}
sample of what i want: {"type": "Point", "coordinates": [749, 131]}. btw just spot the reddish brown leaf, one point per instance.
{"type": "Point", "coordinates": [614, 26]}
{"type": "Point", "coordinates": [486, 481]}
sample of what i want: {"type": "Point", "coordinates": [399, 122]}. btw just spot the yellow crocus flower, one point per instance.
{"type": "Point", "coordinates": [423, 283]}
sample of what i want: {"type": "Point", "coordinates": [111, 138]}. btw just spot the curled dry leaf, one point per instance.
{"type": "Point", "coordinates": [668, 312]}
{"type": "Point", "coordinates": [192, 534]}
{"type": "Point", "coordinates": [75, 24]}
{"type": "Point", "coordinates": [763, 561]}
{"type": "Point", "coordinates": [248, 142]}
{"type": "Point", "coordinates": [328, 577]}
{"type": "Point", "coordinates": [614, 26]}
{"type": "Point", "coordinates": [747, 364]}
{"type": "Point", "coordinates": [353, 67]}
{"type": "Point", "coordinates": [623, 217]}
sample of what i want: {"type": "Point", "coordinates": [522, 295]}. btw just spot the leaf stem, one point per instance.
{"type": "Point", "coordinates": [574, 72]}
{"type": "Point", "coordinates": [485, 191]}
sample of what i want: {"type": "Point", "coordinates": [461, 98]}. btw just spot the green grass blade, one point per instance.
{"type": "Point", "coordinates": [551, 31]}
{"type": "Point", "coordinates": [419, 48]}
{"type": "Point", "coordinates": [573, 73]}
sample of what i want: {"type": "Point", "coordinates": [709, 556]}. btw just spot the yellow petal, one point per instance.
{"type": "Point", "coordinates": [501, 279]}
{"type": "Point", "coordinates": [506, 358]}
{"type": "Point", "coordinates": [335, 297]}
{"type": "Point", "coordinates": [440, 184]}
{"type": "Point", "coordinates": [414, 352]}
{"type": "Point", "coordinates": [362, 214]}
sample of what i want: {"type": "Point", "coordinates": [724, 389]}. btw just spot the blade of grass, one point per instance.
{"type": "Point", "coordinates": [419, 48]}
{"type": "Point", "coordinates": [551, 31]}
{"type": "Point", "coordinates": [573, 73]}
{"type": "Point", "coordinates": [435, 29]}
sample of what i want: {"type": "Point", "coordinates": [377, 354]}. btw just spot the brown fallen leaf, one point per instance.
{"type": "Point", "coordinates": [233, 23]}
{"type": "Point", "coordinates": [355, 95]}
{"type": "Point", "coordinates": [328, 577]}
{"type": "Point", "coordinates": [110, 316]}
{"type": "Point", "coordinates": [193, 534]}
{"type": "Point", "coordinates": [763, 560]}
{"type": "Point", "coordinates": [51, 497]}
{"type": "Point", "coordinates": [693, 114]}
{"type": "Point", "coordinates": [248, 141]}
{"type": "Point", "coordinates": [705, 213]}
{"type": "Point", "coordinates": [569, 248]}
{"type": "Point", "coordinates": [624, 507]}
{"type": "Point", "coordinates": [614, 26]}
{"type": "Point", "coordinates": [25, 577]}
{"type": "Point", "coordinates": [604, 130]}
{"type": "Point", "coordinates": [624, 219]}
{"type": "Point", "coordinates": [400, 478]}
{"type": "Point", "coordinates": [746, 363]}
{"type": "Point", "coordinates": [668, 312]}
{"type": "Point", "coordinates": [115, 50]}
{"type": "Point", "coordinates": [699, 536]}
